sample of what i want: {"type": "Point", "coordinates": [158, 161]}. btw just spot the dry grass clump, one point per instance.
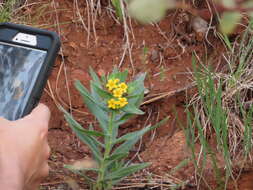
{"type": "Point", "coordinates": [221, 115]}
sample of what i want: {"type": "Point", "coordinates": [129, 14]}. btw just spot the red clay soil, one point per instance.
{"type": "Point", "coordinates": [162, 51]}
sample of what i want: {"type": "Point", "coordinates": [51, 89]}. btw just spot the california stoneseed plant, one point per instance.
{"type": "Point", "coordinates": [113, 102]}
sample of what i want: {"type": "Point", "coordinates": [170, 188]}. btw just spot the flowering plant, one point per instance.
{"type": "Point", "coordinates": [113, 102]}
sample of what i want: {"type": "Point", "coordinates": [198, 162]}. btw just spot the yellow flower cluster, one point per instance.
{"type": "Point", "coordinates": [118, 90]}
{"type": "Point", "coordinates": [116, 104]}
{"type": "Point", "coordinates": [112, 84]}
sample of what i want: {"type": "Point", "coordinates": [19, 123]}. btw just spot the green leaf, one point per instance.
{"type": "Point", "coordinates": [137, 86]}
{"type": "Point", "coordinates": [138, 134]}
{"type": "Point", "coordinates": [84, 92]}
{"type": "Point", "coordinates": [94, 77]}
{"type": "Point", "coordinates": [91, 133]}
{"type": "Point", "coordinates": [123, 118]}
{"type": "Point", "coordinates": [118, 9]}
{"type": "Point", "coordinates": [80, 173]}
{"type": "Point", "coordinates": [139, 100]}
{"type": "Point", "coordinates": [78, 127]}
{"type": "Point", "coordinates": [126, 171]}
{"type": "Point", "coordinates": [89, 140]}
{"type": "Point", "coordinates": [70, 167]}
{"type": "Point", "coordinates": [114, 73]}
{"type": "Point", "coordinates": [102, 93]}
{"type": "Point", "coordinates": [132, 140]}
{"type": "Point", "coordinates": [133, 135]}
{"type": "Point", "coordinates": [103, 78]}
{"type": "Point", "coordinates": [181, 165]}
{"type": "Point", "coordinates": [126, 146]}
{"type": "Point", "coordinates": [116, 158]}
{"type": "Point", "coordinates": [136, 99]}
{"type": "Point", "coordinates": [122, 76]}
{"type": "Point", "coordinates": [132, 109]}
{"type": "Point", "coordinates": [229, 21]}
{"type": "Point", "coordinates": [93, 106]}
{"type": "Point", "coordinates": [136, 90]}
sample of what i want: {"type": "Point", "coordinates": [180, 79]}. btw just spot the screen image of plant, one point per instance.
{"type": "Point", "coordinates": [113, 102]}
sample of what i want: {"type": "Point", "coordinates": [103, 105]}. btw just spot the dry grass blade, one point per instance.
{"type": "Point", "coordinates": [141, 180]}
{"type": "Point", "coordinates": [168, 94]}
{"type": "Point", "coordinates": [62, 67]}
{"type": "Point", "coordinates": [87, 28]}
{"type": "Point", "coordinates": [127, 46]}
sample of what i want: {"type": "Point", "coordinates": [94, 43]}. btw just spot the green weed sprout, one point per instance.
{"type": "Point", "coordinates": [113, 102]}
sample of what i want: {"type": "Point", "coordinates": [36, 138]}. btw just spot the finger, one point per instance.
{"type": "Point", "coordinates": [39, 117]}
{"type": "Point", "coordinates": [47, 152]}
{"type": "Point", "coordinates": [44, 172]}
{"type": "Point", "coordinates": [41, 112]}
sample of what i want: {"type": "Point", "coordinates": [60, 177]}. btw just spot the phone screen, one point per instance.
{"type": "Point", "coordinates": [19, 69]}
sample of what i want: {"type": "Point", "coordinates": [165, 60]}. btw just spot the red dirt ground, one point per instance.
{"type": "Point", "coordinates": [166, 48]}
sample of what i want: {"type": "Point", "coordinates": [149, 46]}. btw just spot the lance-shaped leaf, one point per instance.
{"type": "Point", "coordinates": [129, 108]}
{"type": "Point", "coordinates": [93, 106]}
{"type": "Point", "coordinates": [124, 118]}
{"type": "Point", "coordinates": [117, 5]}
{"type": "Point", "coordinates": [89, 180]}
{"type": "Point", "coordinates": [122, 76]}
{"type": "Point", "coordinates": [137, 85]}
{"type": "Point", "coordinates": [94, 77]}
{"type": "Point", "coordinates": [136, 90]}
{"type": "Point", "coordinates": [132, 138]}
{"type": "Point", "coordinates": [115, 159]}
{"type": "Point", "coordinates": [102, 93]}
{"type": "Point", "coordinates": [125, 171]}
{"type": "Point", "coordinates": [84, 137]}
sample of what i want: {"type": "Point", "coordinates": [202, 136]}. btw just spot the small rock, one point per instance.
{"type": "Point", "coordinates": [146, 91]}
{"type": "Point", "coordinates": [154, 55]}
{"type": "Point", "coordinates": [199, 26]}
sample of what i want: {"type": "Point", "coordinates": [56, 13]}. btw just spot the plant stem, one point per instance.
{"type": "Point", "coordinates": [101, 185]}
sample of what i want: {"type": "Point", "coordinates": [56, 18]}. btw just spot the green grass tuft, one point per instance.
{"type": "Point", "coordinates": [6, 10]}
{"type": "Point", "coordinates": [219, 117]}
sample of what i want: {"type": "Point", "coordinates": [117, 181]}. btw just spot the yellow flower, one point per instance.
{"type": "Point", "coordinates": [112, 84]}
{"type": "Point", "coordinates": [122, 102]}
{"type": "Point", "coordinates": [111, 104]}
{"type": "Point", "coordinates": [123, 86]}
{"type": "Point", "coordinates": [116, 104]}
{"type": "Point", "coordinates": [118, 92]}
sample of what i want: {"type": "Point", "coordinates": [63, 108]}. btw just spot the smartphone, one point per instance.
{"type": "Point", "coordinates": [26, 58]}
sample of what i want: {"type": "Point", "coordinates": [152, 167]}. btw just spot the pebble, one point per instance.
{"type": "Point", "coordinates": [154, 55]}
{"type": "Point", "coordinates": [199, 26]}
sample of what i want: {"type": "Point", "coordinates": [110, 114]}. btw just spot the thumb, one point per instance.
{"type": "Point", "coordinates": [39, 115]}
{"type": "Point", "coordinates": [41, 112]}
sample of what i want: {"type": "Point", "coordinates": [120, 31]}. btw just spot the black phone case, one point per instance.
{"type": "Point", "coordinates": [52, 47]}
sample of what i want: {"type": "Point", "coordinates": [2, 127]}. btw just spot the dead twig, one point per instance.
{"type": "Point", "coordinates": [169, 94]}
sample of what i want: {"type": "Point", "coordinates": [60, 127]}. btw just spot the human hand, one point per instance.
{"type": "Point", "coordinates": [24, 150]}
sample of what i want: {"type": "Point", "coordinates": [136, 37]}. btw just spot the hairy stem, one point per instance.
{"type": "Point", "coordinates": [101, 185]}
